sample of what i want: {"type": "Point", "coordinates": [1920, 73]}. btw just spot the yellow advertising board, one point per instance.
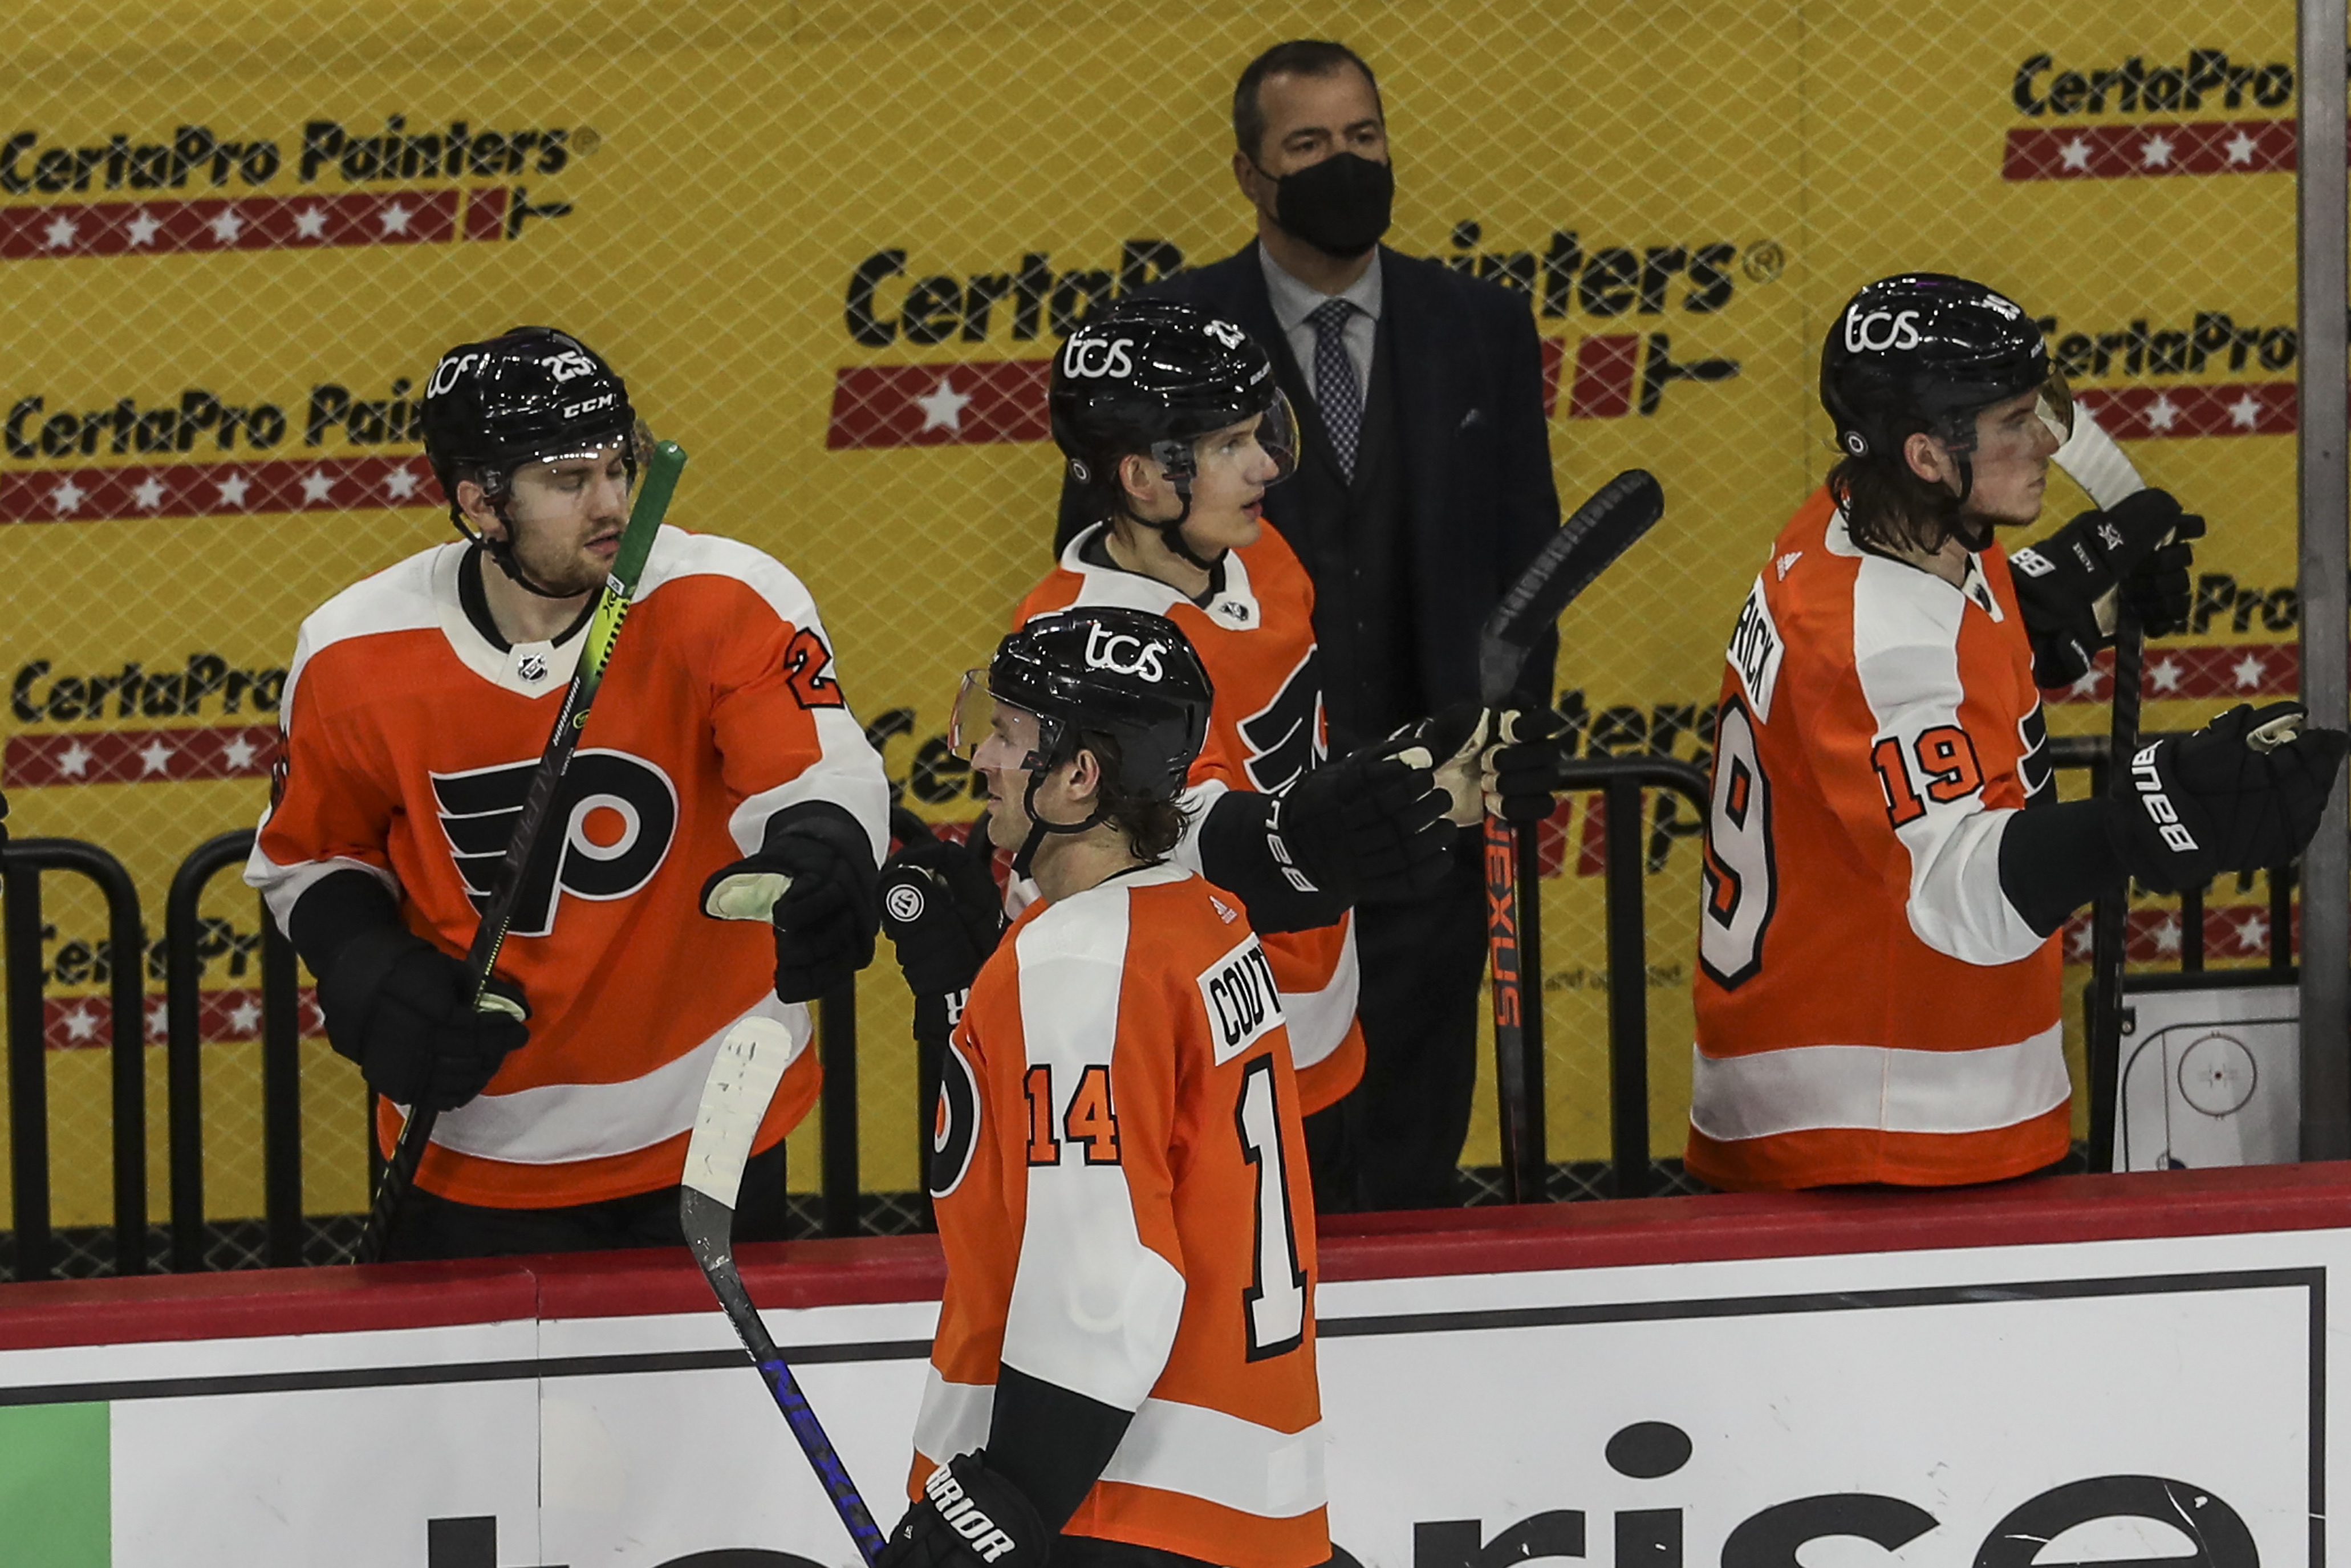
{"type": "Point", "coordinates": [831, 246]}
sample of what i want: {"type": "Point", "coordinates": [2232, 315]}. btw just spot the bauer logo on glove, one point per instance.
{"type": "Point", "coordinates": [2159, 809]}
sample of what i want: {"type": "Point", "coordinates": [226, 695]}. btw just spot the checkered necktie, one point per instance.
{"type": "Point", "coordinates": [1336, 396]}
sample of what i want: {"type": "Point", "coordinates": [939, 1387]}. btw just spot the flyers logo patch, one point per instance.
{"type": "Point", "coordinates": [1243, 1005]}
{"type": "Point", "coordinates": [614, 817]}
{"type": "Point", "coordinates": [954, 1122]}
{"type": "Point", "coordinates": [1285, 737]}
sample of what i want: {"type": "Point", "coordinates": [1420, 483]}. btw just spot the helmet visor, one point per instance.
{"type": "Point", "coordinates": [1261, 450]}
{"type": "Point", "coordinates": [2056, 408]}
{"type": "Point", "coordinates": [991, 735]}
{"type": "Point", "coordinates": [571, 462]}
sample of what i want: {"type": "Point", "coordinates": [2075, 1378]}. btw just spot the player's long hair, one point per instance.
{"type": "Point", "coordinates": [1152, 826]}
{"type": "Point", "coordinates": [1889, 509]}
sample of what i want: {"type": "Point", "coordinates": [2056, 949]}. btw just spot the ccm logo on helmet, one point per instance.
{"type": "Point", "coordinates": [1876, 330]}
{"type": "Point", "coordinates": [2158, 805]}
{"type": "Point", "coordinates": [1098, 356]}
{"type": "Point", "coordinates": [574, 410]}
{"type": "Point", "coordinates": [1122, 654]}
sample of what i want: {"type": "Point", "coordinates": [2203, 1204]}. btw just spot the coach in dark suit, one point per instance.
{"type": "Point", "coordinates": [1424, 486]}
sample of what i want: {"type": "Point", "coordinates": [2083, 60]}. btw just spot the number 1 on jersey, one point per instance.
{"type": "Point", "coordinates": [1274, 1305]}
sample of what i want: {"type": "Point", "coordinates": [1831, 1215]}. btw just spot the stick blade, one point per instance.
{"type": "Point", "coordinates": [735, 1099]}
{"type": "Point", "coordinates": [1603, 528]}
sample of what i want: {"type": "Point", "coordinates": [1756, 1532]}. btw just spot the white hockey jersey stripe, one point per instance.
{"type": "Point", "coordinates": [282, 886]}
{"type": "Point", "coordinates": [1175, 1447]}
{"type": "Point", "coordinates": [1319, 1020]}
{"type": "Point", "coordinates": [1093, 1307]}
{"type": "Point", "coordinates": [1809, 1088]}
{"type": "Point", "coordinates": [848, 775]}
{"type": "Point", "coordinates": [559, 1123]}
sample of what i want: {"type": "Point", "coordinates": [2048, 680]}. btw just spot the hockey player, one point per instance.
{"type": "Point", "coordinates": [1172, 423]}
{"type": "Point", "coordinates": [1124, 1368]}
{"type": "Point", "coordinates": [1887, 863]}
{"type": "Point", "coordinates": [721, 748]}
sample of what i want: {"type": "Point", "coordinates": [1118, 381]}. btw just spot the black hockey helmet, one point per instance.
{"type": "Point", "coordinates": [1101, 670]}
{"type": "Point", "coordinates": [1152, 376]}
{"type": "Point", "coordinates": [1924, 349]}
{"type": "Point", "coordinates": [528, 396]}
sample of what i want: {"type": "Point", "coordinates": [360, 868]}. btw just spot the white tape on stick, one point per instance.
{"type": "Point", "coordinates": [2093, 460]}
{"type": "Point", "coordinates": [735, 1099]}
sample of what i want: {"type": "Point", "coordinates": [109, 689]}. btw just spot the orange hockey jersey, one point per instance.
{"type": "Point", "coordinates": [410, 738]}
{"type": "Point", "coordinates": [1870, 1005]}
{"type": "Point", "coordinates": [1255, 636]}
{"type": "Point", "coordinates": [1121, 1185]}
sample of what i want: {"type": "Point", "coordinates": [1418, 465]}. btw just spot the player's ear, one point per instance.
{"type": "Point", "coordinates": [1926, 458]}
{"type": "Point", "coordinates": [1138, 475]}
{"type": "Point", "coordinates": [1085, 779]}
{"type": "Point", "coordinates": [474, 502]}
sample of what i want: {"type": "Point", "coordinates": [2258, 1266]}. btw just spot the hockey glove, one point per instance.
{"type": "Point", "coordinates": [815, 878]}
{"type": "Point", "coordinates": [2064, 582]}
{"type": "Point", "coordinates": [1370, 825]}
{"type": "Point", "coordinates": [2244, 792]}
{"type": "Point", "coordinates": [402, 1009]}
{"type": "Point", "coordinates": [941, 909]}
{"type": "Point", "coordinates": [967, 1517]}
{"type": "Point", "coordinates": [1460, 736]}
{"type": "Point", "coordinates": [2159, 591]}
{"type": "Point", "coordinates": [1521, 775]}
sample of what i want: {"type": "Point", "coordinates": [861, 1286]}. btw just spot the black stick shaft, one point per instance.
{"type": "Point", "coordinates": [1503, 956]}
{"type": "Point", "coordinates": [2110, 916]}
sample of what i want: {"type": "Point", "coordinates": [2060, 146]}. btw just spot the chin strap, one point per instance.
{"type": "Point", "coordinates": [502, 550]}
{"type": "Point", "coordinates": [1038, 827]}
{"type": "Point", "coordinates": [1171, 530]}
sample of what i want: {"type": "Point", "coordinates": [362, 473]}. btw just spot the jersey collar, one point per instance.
{"type": "Point", "coordinates": [526, 669]}
{"type": "Point", "coordinates": [1230, 602]}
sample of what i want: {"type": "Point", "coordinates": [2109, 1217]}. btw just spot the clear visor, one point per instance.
{"type": "Point", "coordinates": [2056, 406]}
{"type": "Point", "coordinates": [992, 735]}
{"type": "Point", "coordinates": [1261, 450]}
{"type": "Point", "coordinates": [552, 468]}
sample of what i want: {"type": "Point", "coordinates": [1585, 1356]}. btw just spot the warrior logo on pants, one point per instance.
{"type": "Point", "coordinates": [613, 815]}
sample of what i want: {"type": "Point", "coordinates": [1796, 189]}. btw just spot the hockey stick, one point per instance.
{"type": "Point", "coordinates": [734, 1098]}
{"type": "Point", "coordinates": [514, 868]}
{"type": "Point", "coordinates": [1603, 528]}
{"type": "Point", "coordinates": [2105, 475]}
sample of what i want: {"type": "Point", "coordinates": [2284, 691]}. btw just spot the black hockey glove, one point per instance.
{"type": "Point", "coordinates": [1371, 824]}
{"type": "Point", "coordinates": [967, 1517]}
{"type": "Point", "coordinates": [402, 1009]}
{"type": "Point", "coordinates": [941, 907]}
{"type": "Point", "coordinates": [2244, 792]}
{"type": "Point", "coordinates": [815, 879]}
{"type": "Point", "coordinates": [1522, 773]}
{"type": "Point", "coordinates": [2061, 580]}
{"type": "Point", "coordinates": [2159, 591]}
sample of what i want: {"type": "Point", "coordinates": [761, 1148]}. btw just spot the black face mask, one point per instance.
{"type": "Point", "coordinates": [1339, 205]}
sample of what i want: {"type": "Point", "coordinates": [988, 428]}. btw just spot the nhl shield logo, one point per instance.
{"type": "Point", "coordinates": [531, 667]}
